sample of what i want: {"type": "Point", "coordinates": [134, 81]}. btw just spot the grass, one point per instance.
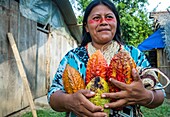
{"type": "Point", "coordinates": [45, 113]}
{"type": "Point", "coordinates": [161, 111]}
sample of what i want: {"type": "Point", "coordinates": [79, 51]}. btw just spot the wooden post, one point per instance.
{"type": "Point", "coordinates": [159, 62]}
{"type": "Point", "coordinates": [22, 73]}
{"type": "Point", "coordinates": [48, 59]}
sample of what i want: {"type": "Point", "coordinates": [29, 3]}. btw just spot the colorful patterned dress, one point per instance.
{"type": "Point", "coordinates": [78, 58]}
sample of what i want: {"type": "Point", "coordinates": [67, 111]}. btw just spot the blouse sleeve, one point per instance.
{"type": "Point", "coordinates": [138, 56]}
{"type": "Point", "coordinates": [57, 83]}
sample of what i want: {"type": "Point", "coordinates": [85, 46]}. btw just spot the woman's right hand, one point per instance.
{"type": "Point", "coordinates": [82, 107]}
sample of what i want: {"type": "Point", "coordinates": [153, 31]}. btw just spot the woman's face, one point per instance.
{"type": "Point", "coordinates": [102, 25]}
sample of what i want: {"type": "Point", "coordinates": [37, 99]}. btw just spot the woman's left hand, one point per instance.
{"type": "Point", "coordinates": [130, 94]}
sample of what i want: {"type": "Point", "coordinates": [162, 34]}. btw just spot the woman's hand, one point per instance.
{"type": "Point", "coordinates": [77, 102]}
{"type": "Point", "coordinates": [130, 94]}
{"type": "Point", "coordinates": [82, 107]}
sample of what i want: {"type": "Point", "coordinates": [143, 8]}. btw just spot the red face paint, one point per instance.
{"type": "Point", "coordinates": [93, 21]}
{"type": "Point", "coordinates": [108, 20]}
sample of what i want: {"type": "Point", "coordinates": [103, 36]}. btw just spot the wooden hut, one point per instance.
{"type": "Point", "coordinates": [160, 57]}
{"type": "Point", "coordinates": [44, 30]}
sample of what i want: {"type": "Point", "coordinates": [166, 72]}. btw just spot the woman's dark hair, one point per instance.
{"type": "Point", "coordinates": [86, 36]}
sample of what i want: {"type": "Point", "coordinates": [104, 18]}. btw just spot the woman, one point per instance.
{"type": "Point", "coordinates": [101, 30]}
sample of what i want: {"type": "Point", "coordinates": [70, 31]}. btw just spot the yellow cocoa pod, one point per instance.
{"type": "Point", "coordinates": [99, 86]}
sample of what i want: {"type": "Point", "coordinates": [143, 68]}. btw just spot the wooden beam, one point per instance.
{"type": "Point", "coordinates": [22, 73]}
{"type": "Point", "coordinates": [48, 60]}
{"type": "Point", "coordinates": [158, 61]}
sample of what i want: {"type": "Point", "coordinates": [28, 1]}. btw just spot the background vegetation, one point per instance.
{"type": "Point", "coordinates": [135, 23]}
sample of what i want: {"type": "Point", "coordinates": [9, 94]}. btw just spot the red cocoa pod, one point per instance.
{"type": "Point", "coordinates": [120, 68]}
{"type": "Point", "coordinates": [96, 66]}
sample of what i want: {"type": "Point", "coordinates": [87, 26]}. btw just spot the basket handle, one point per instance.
{"type": "Point", "coordinates": [160, 72]}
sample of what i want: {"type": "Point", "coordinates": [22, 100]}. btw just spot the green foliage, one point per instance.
{"type": "Point", "coordinates": [80, 19]}
{"type": "Point", "coordinates": [135, 24]}
{"type": "Point", "coordinates": [83, 4]}
{"type": "Point", "coordinates": [80, 6]}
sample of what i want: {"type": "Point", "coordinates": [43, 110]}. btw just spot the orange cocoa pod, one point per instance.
{"type": "Point", "coordinates": [72, 80]}
{"type": "Point", "coordinates": [96, 66]}
{"type": "Point", "coordinates": [120, 68]}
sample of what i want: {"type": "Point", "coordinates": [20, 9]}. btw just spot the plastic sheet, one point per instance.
{"type": "Point", "coordinates": [41, 11]}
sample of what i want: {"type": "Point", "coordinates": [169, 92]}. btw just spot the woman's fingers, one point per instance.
{"type": "Point", "coordinates": [116, 104]}
{"type": "Point", "coordinates": [124, 86]}
{"type": "Point", "coordinates": [87, 93]}
{"type": "Point", "coordinates": [118, 84]}
{"type": "Point", "coordinates": [116, 95]}
{"type": "Point", "coordinates": [135, 75]}
{"type": "Point", "coordinates": [88, 108]}
{"type": "Point", "coordinates": [86, 103]}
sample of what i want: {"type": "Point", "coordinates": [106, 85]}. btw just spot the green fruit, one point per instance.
{"type": "Point", "coordinates": [99, 86]}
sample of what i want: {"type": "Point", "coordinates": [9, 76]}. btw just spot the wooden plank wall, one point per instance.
{"type": "Point", "coordinates": [61, 43]}
{"type": "Point", "coordinates": [164, 66]}
{"type": "Point", "coordinates": [32, 45]}
{"type": "Point", "coordinates": [40, 81]}
{"type": "Point", "coordinates": [12, 96]}
{"type": "Point", "coordinates": [11, 88]}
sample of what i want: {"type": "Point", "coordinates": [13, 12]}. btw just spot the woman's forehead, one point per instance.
{"type": "Point", "coordinates": [101, 9]}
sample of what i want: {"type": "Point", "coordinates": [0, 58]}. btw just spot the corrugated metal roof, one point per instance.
{"type": "Point", "coordinates": [69, 17]}
{"type": "Point", "coordinates": [157, 14]}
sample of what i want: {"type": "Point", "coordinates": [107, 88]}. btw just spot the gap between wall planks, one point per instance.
{"type": "Point", "coordinates": [22, 73]}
